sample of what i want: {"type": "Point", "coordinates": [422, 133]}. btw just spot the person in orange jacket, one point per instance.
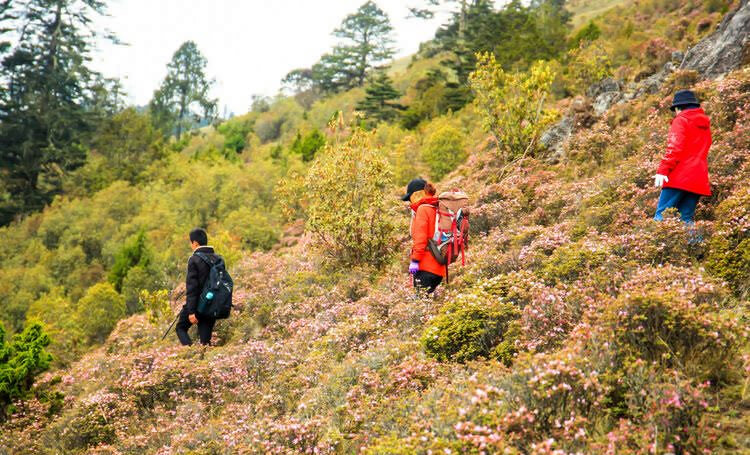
{"type": "Point", "coordinates": [425, 269]}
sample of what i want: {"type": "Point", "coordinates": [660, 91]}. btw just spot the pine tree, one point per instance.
{"type": "Point", "coordinates": [49, 104]}
{"type": "Point", "coordinates": [183, 101]}
{"type": "Point", "coordinates": [379, 102]}
{"type": "Point", "coordinates": [366, 44]}
{"type": "Point", "coordinates": [367, 35]}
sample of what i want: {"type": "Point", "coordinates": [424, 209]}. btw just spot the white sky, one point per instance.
{"type": "Point", "coordinates": [249, 44]}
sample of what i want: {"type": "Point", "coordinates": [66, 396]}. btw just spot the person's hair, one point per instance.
{"type": "Point", "coordinates": [429, 189]}
{"type": "Point", "coordinates": [200, 236]}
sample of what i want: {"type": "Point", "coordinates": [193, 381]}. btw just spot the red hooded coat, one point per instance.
{"type": "Point", "coordinates": [686, 160]}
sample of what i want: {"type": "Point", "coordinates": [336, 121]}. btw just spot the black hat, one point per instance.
{"type": "Point", "coordinates": [684, 99]}
{"type": "Point", "coordinates": [413, 186]}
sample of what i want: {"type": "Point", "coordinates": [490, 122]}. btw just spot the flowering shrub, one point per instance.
{"type": "Point", "coordinates": [729, 248]}
{"type": "Point", "coordinates": [473, 325]}
{"type": "Point", "coordinates": [669, 330]}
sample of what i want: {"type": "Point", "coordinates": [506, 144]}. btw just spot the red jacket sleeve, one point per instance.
{"type": "Point", "coordinates": [675, 146]}
{"type": "Point", "coordinates": [421, 233]}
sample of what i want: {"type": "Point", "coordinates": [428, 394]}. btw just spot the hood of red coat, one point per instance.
{"type": "Point", "coordinates": [424, 201]}
{"type": "Point", "coordinates": [696, 117]}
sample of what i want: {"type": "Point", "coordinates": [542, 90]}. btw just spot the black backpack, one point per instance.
{"type": "Point", "coordinates": [216, 298]}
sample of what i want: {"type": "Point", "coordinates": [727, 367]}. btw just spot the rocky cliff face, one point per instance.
{"type": "Point", "coordinates": [726, 49]}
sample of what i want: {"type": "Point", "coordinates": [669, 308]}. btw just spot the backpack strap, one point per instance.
{"type": "Point", "coordinates": [205, 259]}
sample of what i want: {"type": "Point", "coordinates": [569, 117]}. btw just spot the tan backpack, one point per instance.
{"type": "Point", "coordinates": [451, 228]}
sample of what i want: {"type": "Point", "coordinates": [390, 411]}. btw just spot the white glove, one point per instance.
{"type": "Point", "coordinates": [660, 180]}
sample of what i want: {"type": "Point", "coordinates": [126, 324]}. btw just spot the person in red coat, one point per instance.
{"type": "Point", "coordinates": [683, 172]}
{"type": "Point", "coordinates": [427, 272]}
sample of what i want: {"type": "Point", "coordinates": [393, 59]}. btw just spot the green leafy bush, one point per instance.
{"type": "Point", "coordinates": [134, 253]}
{"type": "Point", "coordinates": [513, 104]}
{"type": "Point", "coordinates": [138, 279]}
{"type": "Point", "coordinates": [55, 312]}
{"type": "Point", "coordinates": [348, 201]}
{"type": "Point", "coordinates": [156, 305]}
{"type": "Point", "coordinates": [473, 325]}
{"type": "Point", "coordinates": [308, 145]}
{"type": "Point", "coordinates": [668, 329]}
{"type": "Point", "coordinates": [443, 149]}
{"type": "Point", "coordinates": [569, 262]}
{"type": "Point", "coordinates": [729, 248]}
{"type": "Point", "coordinates": [98, 311]}
{"type": "Point", "coordinates": [21, 361]}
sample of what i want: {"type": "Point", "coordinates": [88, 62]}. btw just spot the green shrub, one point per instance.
{"type": "Point", "coordinates": [98, 311]}
{"type": "Point", "coordinates": [254, 227]}
{"type": "Point", "coordinates": [348, 201]}
{"type": "Point", "coordinates": [729, 248]}
{"type": "Point", "coordinates": [512, 104]}
{"type": "Point", "coordinates": [156, 305]}
{"type": "Point", "coordinates": [138, 279]}
{"type": "Point", "coordinates": [235, 133]}
{"type": "Point", "coordinates": [21, 361]}
{"type": "Point", "coordinates": [471, 326]}
{"type": "Point", "coordinates": [55, 312]}
{"type": "Point", "coordinates": [570, 262]}
{"type": "Point", "coordinates": [308, 146]}
{"type": "Point", "coordinates": [443, 148]}
{"type": "Point", "coordinates": [134, 253]}
{"type": "Point", "coordinates": [671, 331]}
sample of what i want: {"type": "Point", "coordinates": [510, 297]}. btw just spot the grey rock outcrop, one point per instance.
{"type": "Point", "coordinates": [724, 50]}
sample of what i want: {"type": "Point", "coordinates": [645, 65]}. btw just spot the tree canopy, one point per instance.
{"type": "Point", "coordinates": [183, 101]}
{"type": "Point", "coordinates": [365, 43]}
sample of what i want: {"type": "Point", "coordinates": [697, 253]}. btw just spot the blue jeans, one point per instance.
{"type": "Point", "coordinates": [684, 201]}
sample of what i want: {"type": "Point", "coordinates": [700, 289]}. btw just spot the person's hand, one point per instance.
{"type": "Point", "coordinates": [413, 267]}
{"type": "Point", "coordinates": [660, 180]}
{"type": "Point", "coordinates": [193, 319]}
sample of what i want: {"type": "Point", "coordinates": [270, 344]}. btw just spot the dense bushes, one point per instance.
{"type": "Point", "coordinates": [669, 330]}
{"type": "Point", "coordinates": [474, 324]}
{"type": "Point", "coordinates": [21, 360]}
{"type": "Point", "coordinates": [98, 311]}
{"type": "Point", "coordinates": [443, 148]}
{"type": "Point", "coordinates": [729, 250]}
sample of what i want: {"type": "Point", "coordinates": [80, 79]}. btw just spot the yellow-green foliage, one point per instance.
{"type": "Point", "coordinates": [667, 329]}
{"type": "Point", "coordinates": [55, 312]}
{"type": "Point", "coordinates": [729, 253]}
{"type": "Point", "coordinates": [474, 324]}
{"type": "Point", "coordinates": [405, 160]}
{"type": "Point", "coordinates": [156, 305]}
{"type": "Point", "coordinates": [513, 104]}
{"type": "Point", "coordinates": [587, 64]}
{"type": "Point", "coordinates": [443, 147]}
{"type": "Point", "coordinates": [569, 262]}
{"type": "Point", "coordinates": [98, 311]}
{"type": "Point", "coordinates": [348, 202]}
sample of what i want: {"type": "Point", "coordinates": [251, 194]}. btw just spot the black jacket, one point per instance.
{"type": "Point", "coordinates": [197, 274]}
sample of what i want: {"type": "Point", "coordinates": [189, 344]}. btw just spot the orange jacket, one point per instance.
{"type": "Point", "coordinates": [422, 229]}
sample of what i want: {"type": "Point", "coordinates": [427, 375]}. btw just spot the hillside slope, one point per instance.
{"type": "Point", "coordinates": [630, 336]}
{"type": "Point", "coordinates": [578, 325]}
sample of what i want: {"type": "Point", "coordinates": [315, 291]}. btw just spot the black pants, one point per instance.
{"type": "Point", "coordinates": [205, 328]}
{"type": "Point", "coordinates": [427, 281]}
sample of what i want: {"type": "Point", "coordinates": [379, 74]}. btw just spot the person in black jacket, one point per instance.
{"type": "Point", "coordinates": [197, 274]}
